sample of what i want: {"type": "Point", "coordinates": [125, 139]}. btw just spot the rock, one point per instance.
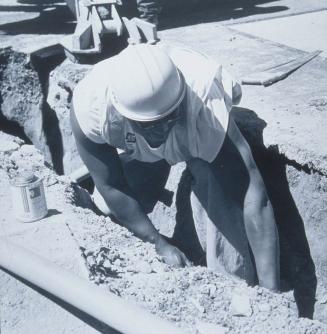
{"type": "Point", "coordinates": [183, 284]}
{"type": "Point", "coordinates": [207, 328]}
{"type": "Point", "coordinates": [212, 290]}
{"type": "Point", "coordinates": [197, 304]}
{"type": "Point", "coordinates": [196, 276]}
{"type": "Point", "coordinates": [323, 299]}
{"type": "Point", "coordinates": [90, 261]}
{"type": "Point", "coordinates": [264, 307]}
{"type": "Point", "coordinates": [117, 262]}
{"type": "Point", "coordinates": [240, 305]}
{"type": "Point", "coordinates": [106, 264]}
{"type": "Point", "coordinates": [143, 267]}
{"type": "Point", "coordinates": [158, 266]}
{"type": "Point", "coordinates": [8, 146]}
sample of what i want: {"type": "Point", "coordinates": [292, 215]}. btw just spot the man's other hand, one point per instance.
{"type": "Point", "coordinates": [171, 254]}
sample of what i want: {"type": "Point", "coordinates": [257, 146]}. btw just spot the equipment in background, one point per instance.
{"type": "Point", "coordinates": [140, 31]}
{"type": "Point", "coordinates": [96, 18]}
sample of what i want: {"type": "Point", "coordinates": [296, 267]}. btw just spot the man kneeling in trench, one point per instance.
{"type": "Point", "coordinates": [161, 106]}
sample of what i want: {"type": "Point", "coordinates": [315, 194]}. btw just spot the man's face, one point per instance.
{"type": "Point", "coordinates": [156, 132]}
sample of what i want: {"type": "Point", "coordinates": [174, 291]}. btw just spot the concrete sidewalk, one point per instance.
{"type": "Point", "coordinates": [307, 32]}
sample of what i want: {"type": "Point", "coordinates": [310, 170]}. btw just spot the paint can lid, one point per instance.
{"type": "Point", "coordinates": [24, 178]}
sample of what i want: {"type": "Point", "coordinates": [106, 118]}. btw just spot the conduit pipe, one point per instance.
{"type": "Point", "coordinates": [115, 312]}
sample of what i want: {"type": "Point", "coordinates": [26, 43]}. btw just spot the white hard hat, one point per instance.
{"type": "Point", "coordinates": [145, 83]}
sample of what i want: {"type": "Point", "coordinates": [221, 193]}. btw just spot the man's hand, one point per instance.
{"type": "Point", "coordinates": [171, 254]}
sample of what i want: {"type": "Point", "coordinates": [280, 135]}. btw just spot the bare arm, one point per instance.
{"type": "Point", "coordinates": [259, 220]}
{"type": "Point", "coordinates": [104, 165]}
{"type": "Point", "coordinates": [262, 233]}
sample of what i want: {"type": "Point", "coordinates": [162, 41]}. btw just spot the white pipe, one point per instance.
{"type": "Point", "coordinates": [115, 312]}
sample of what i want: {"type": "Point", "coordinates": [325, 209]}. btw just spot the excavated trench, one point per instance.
{"type": "Point", "coordinates": [24, 111]}
{"type": "Point", "coordinates": [34, 104]}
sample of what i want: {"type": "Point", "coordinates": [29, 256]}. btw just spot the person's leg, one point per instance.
{"type": "Point", "coordinates": [185, 236]}
{"type": "Point", "coordinates": [229, 197]}
{"type": "Point", "coordinates": [218, 220]}
{"type": "Point", "coordinates": [146, 180]}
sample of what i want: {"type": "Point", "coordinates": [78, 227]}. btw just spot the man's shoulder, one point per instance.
{"type": "Point", "coordinates": [90, 100]}
{"type": "Point", "coordinates": [197, 68]}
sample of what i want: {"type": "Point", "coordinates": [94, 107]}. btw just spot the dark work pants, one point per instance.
{"type": "Point", "coordinates": [146, 180]}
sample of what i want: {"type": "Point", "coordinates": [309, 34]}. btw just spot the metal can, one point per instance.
{"type": "Point", "coordinates": [28, 197]}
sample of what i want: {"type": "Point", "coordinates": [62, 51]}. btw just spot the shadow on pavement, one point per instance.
{"type": "Point", "coordinates": [56, 18]}
{"type": "Point", "coordinates": [214, 11]}
{"type": "Point", "coordinates": [52, 19]}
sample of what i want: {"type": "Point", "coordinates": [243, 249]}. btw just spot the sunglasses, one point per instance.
{"type": "Point", "coordinates": [169, 120]}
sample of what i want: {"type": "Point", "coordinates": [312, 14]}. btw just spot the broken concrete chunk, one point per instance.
{"type": "Point", "coordinates": [264, 307]}
{"type": "Point", "coordinates": [90, 261]}
{"type": "Point", "coordinates": [323, 299]}
{"type": "Point", "coordinates": [8, 146]}
{"type": "Point", "coordinates": [212, 290]}
{"type": "Point", "coordinates": [195, 276]}
{"type": "Point", "coordinates": [198, 306]}
{"type": "Point", "coordinates": [106, 264]}
{"type": "Point", "coordinates": [117, 263]}
{"type": "Point", "coordinates": [143, 267]}
{"type": "Point", "coordinates": [240, 305]}
{"type": "Point", "coordinates": [157, 266]}
{"type": "Point", "coordinates": [207, 328]}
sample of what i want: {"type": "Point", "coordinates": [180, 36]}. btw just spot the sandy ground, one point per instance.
{"type": "Point", "coordinates": [306, 32]}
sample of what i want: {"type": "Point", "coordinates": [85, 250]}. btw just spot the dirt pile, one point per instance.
{"type": "Point", "coordinates": [131, 269]}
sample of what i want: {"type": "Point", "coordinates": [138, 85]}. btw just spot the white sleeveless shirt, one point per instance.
{"type": "Point", "coordinates": [199, 133]}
